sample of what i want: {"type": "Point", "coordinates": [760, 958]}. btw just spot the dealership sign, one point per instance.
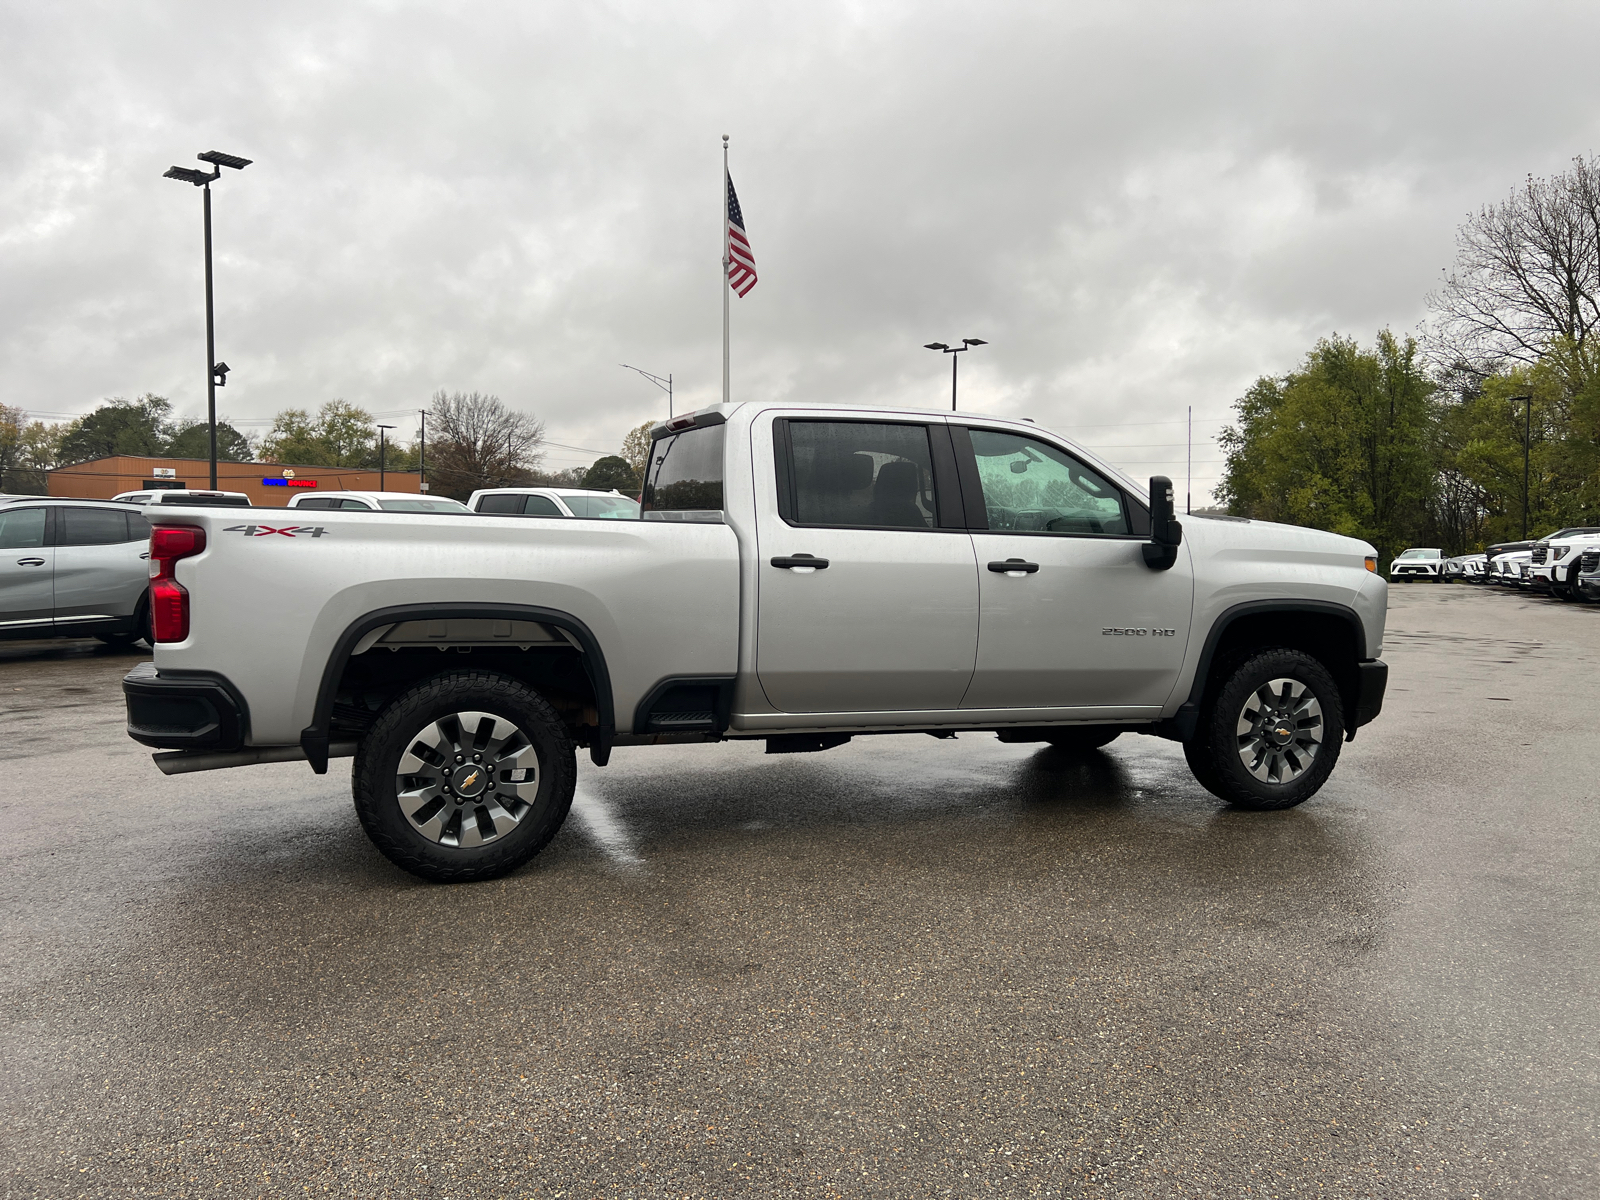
{"type": "Point", "coordinates": [270, 482]}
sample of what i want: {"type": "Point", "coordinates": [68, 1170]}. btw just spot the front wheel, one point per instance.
{"type": "Point", "coordinates": [1272, 733]}
{"type": "Point", "coordinates": [464, 777]}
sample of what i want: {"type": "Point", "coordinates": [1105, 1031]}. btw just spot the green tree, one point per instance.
{"type": "Point", "coordinates": [340, 435]}
{"type": "Point", "coordinates": [636, 447]}
{"type": "Point", "coordinates": [118, 427]}
{"type": "Point", "coordinates": [612, 472]}
{"type": "Point", "coordinates": [193, 440]}
{"type": "Point", "coordinates": [1346, 443]}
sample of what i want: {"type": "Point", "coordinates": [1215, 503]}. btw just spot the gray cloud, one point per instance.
{"type": "Point", "coordinates": [1142, 207]}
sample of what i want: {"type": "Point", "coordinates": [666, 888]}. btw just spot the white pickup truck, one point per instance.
{"type": "Point", "coordinates": [800, 575]}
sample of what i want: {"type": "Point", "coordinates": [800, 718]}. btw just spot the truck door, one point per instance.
{"type": "Point", "coordinates": [868, 588]}
{"type": "Point", "coordinates": [1071, 615]}
{"type": "Point", "coordinates": [27, 568]}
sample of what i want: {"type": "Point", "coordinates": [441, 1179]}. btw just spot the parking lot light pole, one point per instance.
{"type": "Point", "coordinates": [966, 344]}
{"type": "Point", "coordinates": [1527, 441]}
{"type": "Point", "coordinates": [216, 373]}
{"type": "Point", "coordinates": [383, 454]}
{"type": "Point", "coordinates": [664, 384]}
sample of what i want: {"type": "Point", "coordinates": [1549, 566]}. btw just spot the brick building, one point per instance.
{"type": "Point", "coordinates": [265, 483]}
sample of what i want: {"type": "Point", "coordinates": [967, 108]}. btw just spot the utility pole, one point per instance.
{"type": "Point", "coordinates": [1188, 491]}
{"type": "Point", "coordinates": [422, 452]}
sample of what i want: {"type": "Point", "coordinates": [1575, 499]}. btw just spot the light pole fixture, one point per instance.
{"type": "Point", "coordinates": [664, 384]}
{"type": "Point", "coordinates": [383, 454]}
{"type": "Point", "coordinates": [1527, 442]}
{"type": "Point", "coordinates": [216, 372]}
{"type": "Point", "coordinates": [966, 344]}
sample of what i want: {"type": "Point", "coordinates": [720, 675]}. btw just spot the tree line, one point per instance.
{"type": "Point", "coordinates": [1423, 441]}
{"type": "Point", "coordinates": [473, 441]}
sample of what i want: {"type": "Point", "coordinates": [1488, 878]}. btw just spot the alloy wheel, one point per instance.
{"type": "Point", "coordinates": [467, 779]}
{"type": "Point", "coordinates": [1280, 731]}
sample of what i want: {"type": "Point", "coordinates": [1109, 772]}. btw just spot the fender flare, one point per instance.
{"type": "Point", "coordinates": [314, 738]}
{"type": "Point", "coordinates": [1181, 725]}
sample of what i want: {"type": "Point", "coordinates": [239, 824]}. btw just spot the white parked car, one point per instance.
{"type": "Point", "coordinates": [1417, 564]}
{"type": "Point", "coordinates": [554, 502]}
{"type": "Point", "coordinates": [190, 497]}
{"type": "Point", "coordinates": [1469, 568]}
{"type": "Point", "coordinates": [402, 502]}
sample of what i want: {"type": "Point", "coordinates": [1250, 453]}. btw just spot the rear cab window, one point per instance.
{"type": "Point", "coordinates": [684, 479]}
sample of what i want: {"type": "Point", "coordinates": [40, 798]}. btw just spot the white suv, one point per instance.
{"type": "Point", "coordinates": [1553, 561]}
{"type": "Point", "coordinates": [406, 502]}
{"type": "Point", "coordinates": [554, 502]}
{"type": "Point", "coordinates": [189, 497]}
{"type": "Point", "coordinates": [1417, 564]}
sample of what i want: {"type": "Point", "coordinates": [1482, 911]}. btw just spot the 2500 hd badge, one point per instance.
{"type": "Point", "coordinates": [1113, 631]}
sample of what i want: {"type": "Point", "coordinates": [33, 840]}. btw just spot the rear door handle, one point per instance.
{"type": "Point", "coordinates": [1013, 564]}
{"type": "Point", "coordinates": [30, 562]}
{"type": "Point", "coordinates": [800, 560]}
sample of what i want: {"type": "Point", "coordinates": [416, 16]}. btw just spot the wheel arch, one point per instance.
{"type": "Point", "coordinates": [1331, 633]}
{"type": "Point", "coordinates": [315, 738]}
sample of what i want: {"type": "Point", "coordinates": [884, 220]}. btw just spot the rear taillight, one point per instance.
{"type": "Point", "coordinates": [169, 599]}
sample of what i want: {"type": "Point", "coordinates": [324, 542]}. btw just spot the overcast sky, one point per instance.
{"type": "Point", "coordinates": [1142, 207]}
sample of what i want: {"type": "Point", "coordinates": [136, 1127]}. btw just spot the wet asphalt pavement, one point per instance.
{"type": "Point", "coordinates": [904, 967]}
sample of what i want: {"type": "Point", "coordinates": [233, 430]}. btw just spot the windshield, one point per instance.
{"type": "Point", "coordinates": [1420, 554]}
{"type": "Point", "coordinates": [1570, 533]}
{"type": "Point", "coordinates": [424, 506]}
{"type": "Point", "coordinates": [604, 508]}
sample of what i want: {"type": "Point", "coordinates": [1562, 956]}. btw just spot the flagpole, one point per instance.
{"type": "Point", "coordinates": [725, 263]}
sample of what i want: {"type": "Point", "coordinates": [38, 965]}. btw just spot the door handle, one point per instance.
{"type": "Point", "coordinates": [146, 554]}
{"type": "Point", "coordinates": [1013, 564]}
{"type": "Point", "coordinates": [30, 562]}
{"type": "Point", "coordinates": [801, 560]}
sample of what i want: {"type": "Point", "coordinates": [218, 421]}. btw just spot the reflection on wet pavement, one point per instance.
{"type": "Point", "coordinates": [905, 966]}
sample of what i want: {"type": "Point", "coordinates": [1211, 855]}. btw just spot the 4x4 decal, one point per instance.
{"type": "Point", "coordinates": [315, 531]}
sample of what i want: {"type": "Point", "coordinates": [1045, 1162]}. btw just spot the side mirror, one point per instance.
{"type": "Point", "coordinates": [1166, 534]}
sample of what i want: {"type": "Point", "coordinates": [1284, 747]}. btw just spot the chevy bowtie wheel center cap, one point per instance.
{"type": "Point", "coordinates": [470, 780]}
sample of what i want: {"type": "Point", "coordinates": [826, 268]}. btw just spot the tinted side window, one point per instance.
{"type": "Point", "coordinates": [1031, 487]}
{"type": "Point", "coordinates": [502, 505]}
{"type": "Point", "coordinates": [317, 502]}
{"type": "Point", "coordinates": [354, 505]}
{"type": "Point", "coordinates": [686, 472]}
{"type": "Point", "coordinates": [138, 527]}
{"type": "Point", "coordinates": [90, 527]}
{"type": "Point", "coordinates": [543, 506]}
{"type": "Point", "coordinates": [21, 528]}
{"type": "Point", "coordinates": [859, 473]}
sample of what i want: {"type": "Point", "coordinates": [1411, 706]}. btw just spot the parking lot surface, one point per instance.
{"type": "Point", "coordinates": [904, 967]}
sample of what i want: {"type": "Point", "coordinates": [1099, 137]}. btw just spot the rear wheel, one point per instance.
{"type": "Point", "coordinates": [1271, 735]}
{"type": "Point", "coordinates": [142, 628]}
{"type": "Point", "coordinates": [464, 777]}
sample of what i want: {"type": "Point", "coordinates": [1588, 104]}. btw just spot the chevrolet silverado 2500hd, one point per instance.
{"type": "Point", "coordinates": [800, 575]}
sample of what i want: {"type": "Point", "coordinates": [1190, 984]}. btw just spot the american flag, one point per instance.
{"type": "Point", "coordinates": [741, 262]}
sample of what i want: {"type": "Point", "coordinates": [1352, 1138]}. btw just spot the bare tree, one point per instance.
{"type": "Point", "coordinates": [1527, 276]}
{"type": "Point", "coordinates": [475, 441]}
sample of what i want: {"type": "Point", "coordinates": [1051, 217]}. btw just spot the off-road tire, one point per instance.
{"type": "Point", "coordinates": [376, 791]}
{"type": "Point", "coordinates": [1084, 740]}
{"type": "Point", "coordinates": [1214, 753]}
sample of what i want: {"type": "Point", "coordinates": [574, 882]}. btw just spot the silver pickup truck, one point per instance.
{"type": "Point", "coordinates": [802, 575]}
